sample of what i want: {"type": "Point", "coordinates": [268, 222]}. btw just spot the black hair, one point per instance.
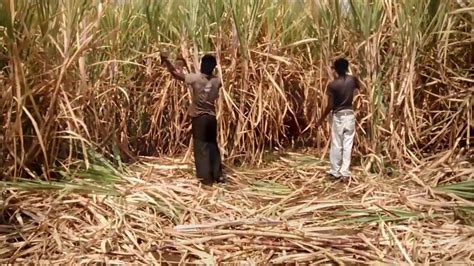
{"type": "Point", "coordinates": [208, 63]}
{"type": "Point", "coordinates": [341, 66]}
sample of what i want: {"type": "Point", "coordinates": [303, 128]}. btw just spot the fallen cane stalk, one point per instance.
{"type": "Point", "coordinates": [202, 239]}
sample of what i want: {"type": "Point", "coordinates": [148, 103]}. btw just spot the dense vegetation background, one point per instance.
{"type": "Point", "coordinates": [81, 78]}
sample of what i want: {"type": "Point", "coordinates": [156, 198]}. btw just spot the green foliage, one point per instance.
{"type": "Point", "coordinates": [462, 189]}
{"type": "Point", "coordinates": [385, 215]}
{"type": "Point", "coordinates": [99, 178]}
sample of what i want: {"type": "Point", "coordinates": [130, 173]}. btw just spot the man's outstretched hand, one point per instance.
{"type": "Point", "coordinates": [165, 61]}
{"type": "Point", "coordinates": [164, 56]}
{"type": "Point", "coordinates": [318, 123]}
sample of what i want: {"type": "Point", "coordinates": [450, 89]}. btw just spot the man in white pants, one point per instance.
{"type": "Point", "coordinates": [341, 93]}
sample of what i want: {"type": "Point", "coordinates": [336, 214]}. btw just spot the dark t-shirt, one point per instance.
{"type": "Point", "coordinates": [204, 93]}
{"type": "Point", "coordinates": [342, 91]}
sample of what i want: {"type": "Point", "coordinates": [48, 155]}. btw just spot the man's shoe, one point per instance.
{"type": "Point", "coordinates": [206, 183]}
{"type": "Point", "coordinates": [333, 177]}
{"type": "Point", "coordinates": [345, 178]}
{"type": "Point", "coordinates": [222, 178]}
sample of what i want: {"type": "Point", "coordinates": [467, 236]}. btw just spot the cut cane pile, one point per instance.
{"type": "Point", "coordinates": [286, 212]}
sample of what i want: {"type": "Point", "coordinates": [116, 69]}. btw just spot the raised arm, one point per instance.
{"type": "Point", "coordinates": [175, 73]}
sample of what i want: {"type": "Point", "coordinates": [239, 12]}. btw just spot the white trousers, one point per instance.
{"type": "Point", "coordinates": [342, 138]}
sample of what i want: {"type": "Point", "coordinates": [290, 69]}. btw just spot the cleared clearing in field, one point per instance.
{"type": "Point", "coordinates": [83, 98]}
{"type": "Point", "coordinates": [285, 212]}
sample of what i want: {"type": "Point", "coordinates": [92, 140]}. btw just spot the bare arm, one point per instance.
{"type": "Point", "coordinates": [184, 63]}
{"type": "Point", "coordinates": [356, 94]}
{"type": "Point", "coordinates": [327, 110]}
{"type": "Point", "coordinates": [175, 73]}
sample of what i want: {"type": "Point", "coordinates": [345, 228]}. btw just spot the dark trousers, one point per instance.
{"type": "Point", "coordinates": [207, 156]}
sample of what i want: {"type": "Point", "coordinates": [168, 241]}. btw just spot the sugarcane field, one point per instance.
{"type": "Point", "coordinates": [249, 132]}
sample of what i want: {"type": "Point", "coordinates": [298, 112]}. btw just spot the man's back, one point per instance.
{"type": "Point", "coordinates": [205, 90]}
{"type": "Point", "coordinates": [342, 91]}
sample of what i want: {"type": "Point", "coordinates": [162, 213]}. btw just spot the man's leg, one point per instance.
{"type": "Point", "coordinates": [216, 165]}
{"type": "Point", "coordinates": [349, 133]}
{"type": "Point", "coordinates": [335, 152]}
{"type": "Point", "coordinates": [215, 155]}
{"type": "Point", "coordinates": [201, 150]}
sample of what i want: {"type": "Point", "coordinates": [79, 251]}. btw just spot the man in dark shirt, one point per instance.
{"type": "Point", "coordinates": [204, 92]}
{"type": "Point", "coordinates": [341, 92]}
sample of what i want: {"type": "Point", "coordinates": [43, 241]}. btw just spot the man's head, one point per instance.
{"type": "Point", "coordinates": [341, 66]}
{"type": "Point", "coordinates": [208, 63]}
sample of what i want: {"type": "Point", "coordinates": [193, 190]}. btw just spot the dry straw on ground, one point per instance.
{"type": "Point", "coordinates": [79, 78]}
{"type": "Point", "coordinates": [287, 212]}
